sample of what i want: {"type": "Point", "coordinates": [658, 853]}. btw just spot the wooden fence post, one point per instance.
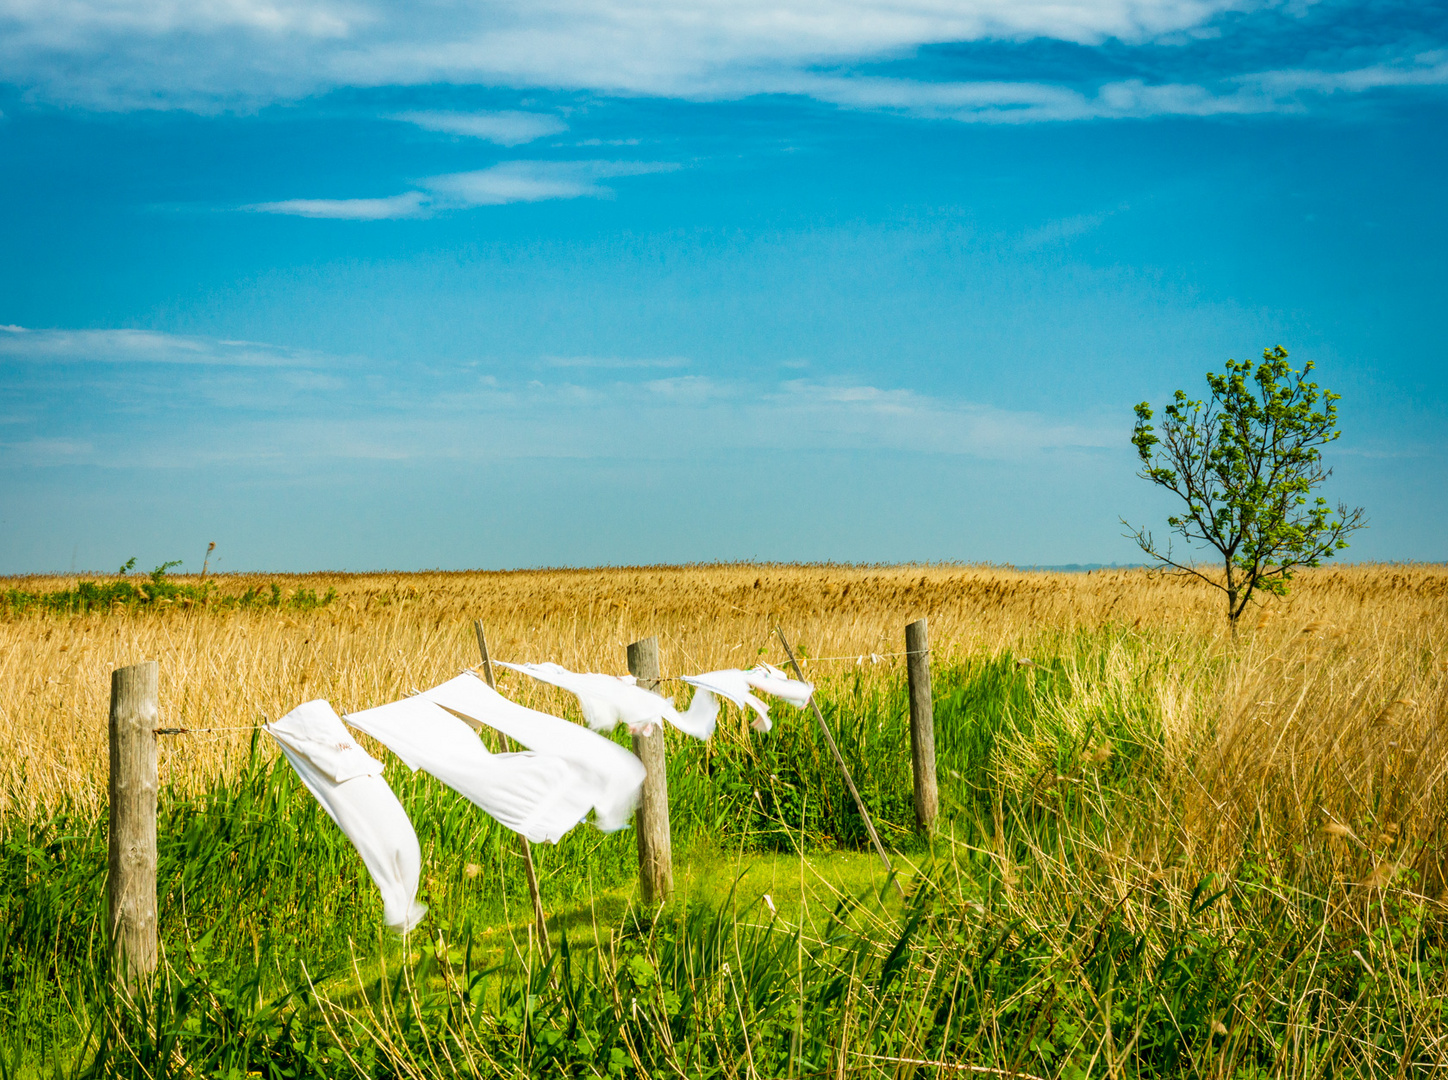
{"type": "Point", "coordinates": [922, 725]}
{"type": "Point", "coordinates": [656, 859]}
{"type": "Point", "coordinates": [131, 883]}
{"type": "Point", "coordinates": [529, 872]}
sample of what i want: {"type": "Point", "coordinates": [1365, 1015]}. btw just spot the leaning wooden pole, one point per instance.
{"type": "Point", "coordinates": [131, 884]}
{"type": "Point", "coordinates": [656, 858]}
{"type": "Point", "coordinates": [839, 759]}
{"type": "Point", "coordinates": [528, 869]}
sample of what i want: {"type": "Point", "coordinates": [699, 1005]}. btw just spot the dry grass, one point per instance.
{"type": "Point", "coordinates": [1333, 698]}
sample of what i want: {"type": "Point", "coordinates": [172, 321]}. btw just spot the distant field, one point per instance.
{"type": "Point", "coordinates": [1199, 855]}
{"type": "Point", "coordinates": [386, 634]}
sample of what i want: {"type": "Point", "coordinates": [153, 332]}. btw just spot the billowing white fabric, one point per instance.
{"type": "Point", "coordinates": [730, 684]}
{"type": "Point", "coordinates": [735, 685]}
{"type": "Point", "coordinates": [775, 683]}
{"type": "Point", "coordinates": [347, 781]}
{"type": "Point", "coordinates": [610, 700]}
{"type": "Point", "coordinates": [540, 796]}
{"type": "Point", "coordinates": [612, 775]}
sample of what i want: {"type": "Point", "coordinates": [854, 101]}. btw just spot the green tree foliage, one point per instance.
{"type": "Point", "coordinates": [1246, 462]}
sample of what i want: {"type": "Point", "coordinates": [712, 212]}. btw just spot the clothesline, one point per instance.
{"type": "Point", "coordinates": [857, 657]}
{"type": "Point", "coordinates": [804, 660]}
{"type": "Point", "coordinates": [872, 656]}
{"type": "Point", "coordinates": [567, 772]}
{"type": "Point", "coordinates": [201, 730]}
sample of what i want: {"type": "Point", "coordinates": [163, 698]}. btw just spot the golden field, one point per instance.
{"type": "Point", "coordinates": [1248, 834]}
{"type": "Point", "coordinates": [1327, 710]}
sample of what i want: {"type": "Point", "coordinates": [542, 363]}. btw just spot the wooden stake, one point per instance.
{"type": "Point", "coordinates": [656, 858]}
{"type": "Point", "coordinates": [483, 649]}
{"type": "Point", "coordinates": [528, 870]}
{"type": "Point", "coordinates": [131, 885]}
{"type": "Point", "coordinates": [922, 725]}
{"type": "Point", "coordinates": [840, 761]}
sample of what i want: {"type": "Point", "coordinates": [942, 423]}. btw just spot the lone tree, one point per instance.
{"type": "Point", "coordinates": [1245, 463]}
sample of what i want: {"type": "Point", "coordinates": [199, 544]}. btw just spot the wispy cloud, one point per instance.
{"type": "Point", "coordinates": [535, 181]}
{"type": "Point", "coordinates": [139, 54]}
{"type": "Point", "coordinates": [615, 362]}
{"type": "Point", "coordinates": [1033, 102]}
{"type": "Point", "coordinates": [1424, 69]}
{"type": "Point", "coordinates": [408, 204]}
{"type": "Point", "coordinates": [504, 128]}
{"type": "Point", "coordinates": [40, 453]}
{"type": "Point", "coordinates": [506, 182]}
{"type": "Point", "coordinates": [1064, 229]}
{"type": "Point", "coordinates": [118, 346]}
{"type": "Point", "coordinates": [269, 407]}
{"type": "Point", "coordinates": [1022, 102]}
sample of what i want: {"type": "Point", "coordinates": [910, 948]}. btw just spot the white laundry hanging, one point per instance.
{"type": "Point", "coordinates": [735, 685]}
{"type": "Point", "coordinates": [613, 776]}
{"type": "Point", "coordinates": [610, 700]}
{"type": "Point", "coordinates": [730, 684]}
{"type": "Point", "coordinates": [348, 782]}
{"type": "Point", "coordinates": [772, 681]}
{"type": "Point", "coordinates": [537, 795]}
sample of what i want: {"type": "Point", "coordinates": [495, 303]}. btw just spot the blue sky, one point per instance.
{"type": "Point", "coordinates": [364, 285]}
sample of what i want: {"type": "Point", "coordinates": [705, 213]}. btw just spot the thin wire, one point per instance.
{"type": "Point", "coordinates": [858, 658]}
{"type": "Point", "coordinates": [201, 730]}
{"type": "Point", "coordinates": [863, 656]}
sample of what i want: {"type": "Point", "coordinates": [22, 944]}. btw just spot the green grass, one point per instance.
{"type": "Point", "coordinates": [154, 591]}
{"type": "Point", "coordinates": [1023, 942]}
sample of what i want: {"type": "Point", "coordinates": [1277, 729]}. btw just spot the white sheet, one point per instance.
{"type": "Point", "coordinates": [775, 683]}
{"type": "Point", "coordinates": [730, 684]}
{"type": "Point", "coordinates": [540, 796]}
{"type": "Point", "coordinates": [735, 685]}
{"type": "Point", "coordinates": [610, 700]}
{"type": "Point", "coordinates": [614, 776]}
{"type": "Point", "coordinates": [348, 782]}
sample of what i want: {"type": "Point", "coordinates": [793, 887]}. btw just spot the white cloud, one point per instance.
{"type": "Point", "coordinates": [506, 182]}
{"type": "Point", "coordinates": [1033, 102]}
{"type": "Point", "coordinates": [861, 416]}
{"type": "Point", "coordinates": [688, 390]}
{"type": "Point", "coordinates": [146, 53]}
{"type": "Point", "coordinates": [535, 181]}
{"type": "Point", "coordinates": [503, 128]}
{"type": "Point", "coordinates": [615, 362]}
{"type": "Point", "coordinates": [408, 204]}
{"type": "Point", "coordinates": [123, 54]}
{"type": "Point", "coordinates": [1063, 229]}
{"type": "Point", "coordinates": [1028, 102]}
{"type": "Point", "coordinates": [40, 453]}
{"type": "Point", "coordinates": [18, 344]}
{"type": "Point", "coordinates": [1425, 69]}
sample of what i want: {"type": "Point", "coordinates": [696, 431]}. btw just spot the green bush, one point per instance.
{"type": "Point", "coordinates": [155, 592]}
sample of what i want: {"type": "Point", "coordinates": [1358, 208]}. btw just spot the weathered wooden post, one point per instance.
{"type": "Point", "coordinates": [656, 859]}
{"type": "Point", "coordinates": [922, 725]}
{"type": "Point", "coordinates": [540, 921]}
{"type": "Point", "coordinates": [131, 884]}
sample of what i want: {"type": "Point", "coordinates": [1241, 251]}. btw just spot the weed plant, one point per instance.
{"type": "Point", "coordinates": [157, 590]}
